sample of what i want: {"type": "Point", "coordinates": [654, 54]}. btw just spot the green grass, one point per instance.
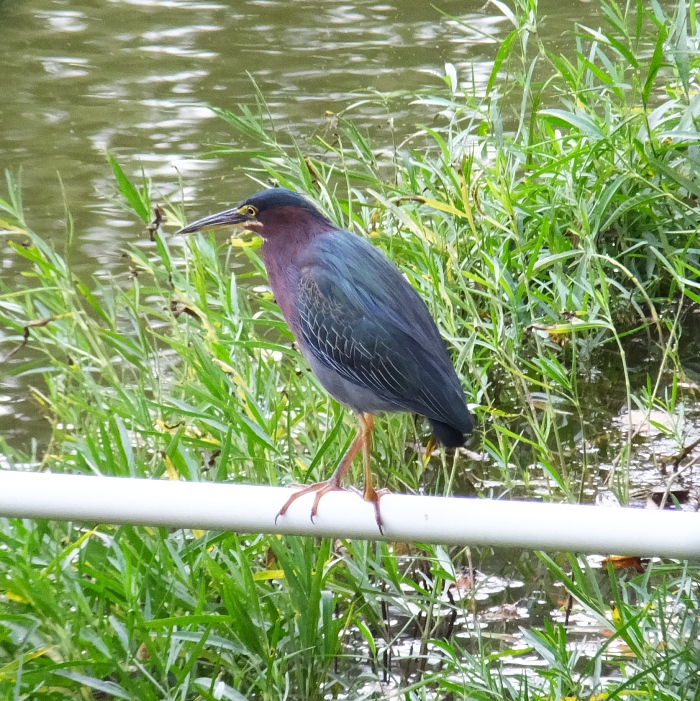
{"type": "Point", "coordinates": [550, 223]}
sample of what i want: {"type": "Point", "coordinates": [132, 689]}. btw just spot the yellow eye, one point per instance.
{"type": "Point", "coordinates": [247, 210]}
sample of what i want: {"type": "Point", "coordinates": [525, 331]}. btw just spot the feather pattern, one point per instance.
{"type": "Point", "coordinates": [360, 318]}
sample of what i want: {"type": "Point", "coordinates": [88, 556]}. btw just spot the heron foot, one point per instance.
{"type": "Point", "coordinates": [373, 496]}
{"type": "Point", "coordinates": [320, 488]}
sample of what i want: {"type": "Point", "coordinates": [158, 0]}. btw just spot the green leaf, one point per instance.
{"type": "Point", "coordinates": [576, 120]}
{"type": "Point", "coordinates": [692, 187]}
{"type": "Point", "coordinates": [129, 191]}
{"type": "Point", "coordinates": [98, 684]}
{"type": "Point", "coordinates": [498, 60]}
{"type": "Point", "coordinates": [656, 63]}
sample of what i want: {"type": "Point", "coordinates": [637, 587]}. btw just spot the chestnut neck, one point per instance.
{"type": "Point", "coordinates": [286, 233]}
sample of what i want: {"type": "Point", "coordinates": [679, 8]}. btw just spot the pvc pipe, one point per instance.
{"type": "Point", "coordinates": [252, 509]}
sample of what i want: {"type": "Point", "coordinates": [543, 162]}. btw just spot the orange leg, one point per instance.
{"type": "Point", "coordinates": [370, 493]}
{"type": "Point", "coordinates": [330, 485]}
{"type": "Point", "coordinates": [362, 441]}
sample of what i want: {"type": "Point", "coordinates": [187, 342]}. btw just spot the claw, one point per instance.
{"type": "Point", "coordinates": [360, 442]}
{"type": "Point", "coordinates": [320, 488]}
{"type": "Point", "coordinates": [374, 495]}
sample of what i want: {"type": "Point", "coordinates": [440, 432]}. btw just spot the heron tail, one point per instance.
{"type": "Point", "coordinates": [450, 436]}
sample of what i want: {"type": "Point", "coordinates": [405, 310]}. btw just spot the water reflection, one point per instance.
{"type": "Point", "coordinates": [132, 77]}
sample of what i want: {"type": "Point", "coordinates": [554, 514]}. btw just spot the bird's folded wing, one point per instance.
{"type": "Point", "coordinates": [359, 317]}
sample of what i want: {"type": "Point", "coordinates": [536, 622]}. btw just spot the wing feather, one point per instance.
{"type": "Point", "coordinates": [359, 317]}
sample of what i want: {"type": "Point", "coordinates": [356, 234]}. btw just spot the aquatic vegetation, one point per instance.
{"type": "Point", "coordinates": [549, 220]}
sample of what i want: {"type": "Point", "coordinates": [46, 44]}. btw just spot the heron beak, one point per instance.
{"type": "Point", "coordinates": [227, 218]}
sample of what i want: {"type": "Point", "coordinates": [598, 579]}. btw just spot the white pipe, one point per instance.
{"type": "Point", "coordinates": [252, 509]}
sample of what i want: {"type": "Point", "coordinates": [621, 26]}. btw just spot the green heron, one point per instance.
{"type": "Point", "coordinates": [362, 328]}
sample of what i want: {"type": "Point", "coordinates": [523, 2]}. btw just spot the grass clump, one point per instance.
{"type": "Point", "coordinates": [552, 229]}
